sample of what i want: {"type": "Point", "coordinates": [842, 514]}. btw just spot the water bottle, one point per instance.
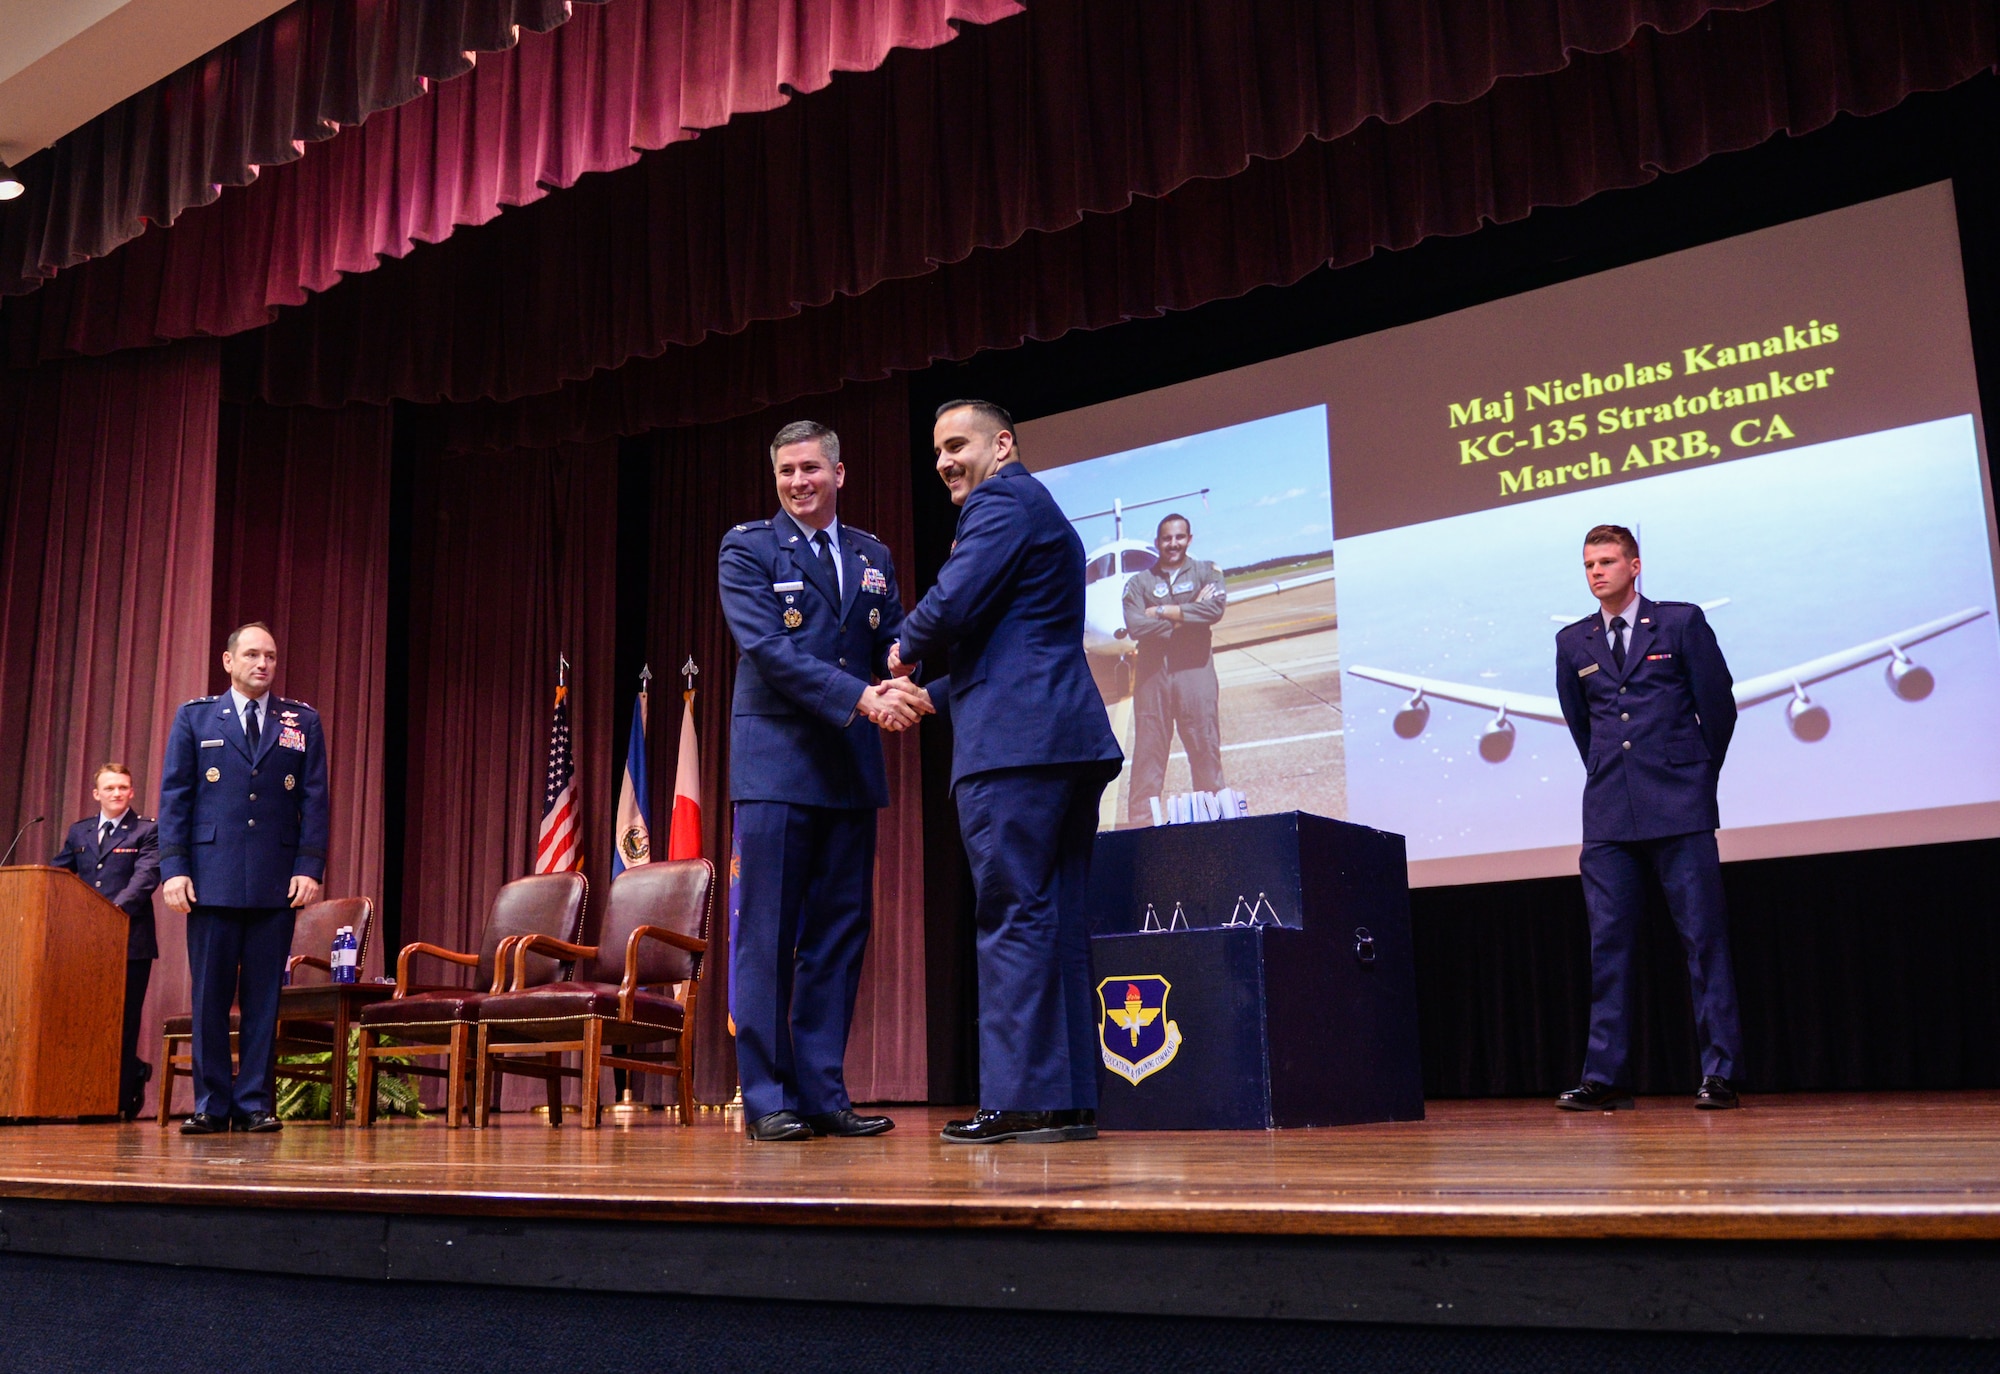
{"type": "Point", "coordinates": [346, 955]}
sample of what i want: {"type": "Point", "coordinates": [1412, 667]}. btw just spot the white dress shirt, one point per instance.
{"type": "Point", "coordinates": [833, 535]}
{"type": "Point", "coordinates": [242, 703]}
{"type": "Point", "coordinates": [1630, 613]}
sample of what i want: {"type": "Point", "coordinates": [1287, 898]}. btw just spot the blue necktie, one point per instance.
{"type": "Point", "coordinates": [823, 548]}
{"type": "Point", "coordinates": [1618, 641]}
{"type": "Point", "coordinates": [250, 730]}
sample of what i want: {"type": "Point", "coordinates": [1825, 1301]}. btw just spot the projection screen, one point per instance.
{"type": "Point", "coordinates": [1383, 535]}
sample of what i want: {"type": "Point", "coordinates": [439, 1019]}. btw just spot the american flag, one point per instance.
{"type": "Point", "coordinates": [556, 847]}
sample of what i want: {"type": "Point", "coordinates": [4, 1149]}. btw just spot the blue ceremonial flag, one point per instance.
{"type": "Point", "coordinates": [634, 834]}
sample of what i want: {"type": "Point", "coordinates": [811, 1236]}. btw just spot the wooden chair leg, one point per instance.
{"type": "Point", "coordinates": [455, 1066]}
{"type": "Point", "coordinates": [684, 1080]}
{"type": "Point", "coordinates": [166, 1080]}
{"type": "Point", "coordinates": [554, 1084]}
{"type": "Point", "coordinates": [482, 1084]}
{"type": "Point", "coordinates": [364, 1079]}
{"type": "Point", "coordinates": [589, 1100]}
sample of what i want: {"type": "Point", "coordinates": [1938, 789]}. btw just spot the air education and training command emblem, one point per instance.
{"type": "Point", "coordinates": [1133, 1031]}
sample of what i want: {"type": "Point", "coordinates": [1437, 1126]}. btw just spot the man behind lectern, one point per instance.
{"type": "Point", "coordinates": [1647, 695]}
{"type": "Point", "coordinates": [116, 851]}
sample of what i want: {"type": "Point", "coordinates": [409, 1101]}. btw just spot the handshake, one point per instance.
{"type": "Point", "coordinates": [896, 702]}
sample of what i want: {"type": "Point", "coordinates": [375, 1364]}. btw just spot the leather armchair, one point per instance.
{"type": "Point", "coordinates": [429, 1021]}
{"type": "Point", "coordinates": [635, 987]}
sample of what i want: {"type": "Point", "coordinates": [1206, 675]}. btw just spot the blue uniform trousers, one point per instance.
{"type": "Point", "coordinates": [1028, 836]}
{"type": "Point", "coordinates": [236, 954]}
{"type": "Point", "coordinates": [1690, 871]}
{"type": "Point", "coordinates": [795, 950]}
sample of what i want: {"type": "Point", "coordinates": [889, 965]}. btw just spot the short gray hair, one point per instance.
{"type": "Point", "coordinates": [800, 431]}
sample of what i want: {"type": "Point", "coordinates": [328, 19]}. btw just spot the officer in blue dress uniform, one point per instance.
{"type": "Point", "coordinates": [1032, 750]}
{"type": "Point", "coordinates": [813, 606]}
{"type": "Point", "coordinates": [1647, 695]}
{"type": "Point", "coordinates": [243, 830]}
{"type": "Point", "coordinates": [117, 853]}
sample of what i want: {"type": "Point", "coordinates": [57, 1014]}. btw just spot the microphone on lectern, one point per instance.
{"type": "Point", "coordinates": [17, 838]}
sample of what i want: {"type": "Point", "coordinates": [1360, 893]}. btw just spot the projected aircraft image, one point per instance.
{"type": "Point", "coordinates": [1244, 599]}
{"type": "Point", "coordinates": [1813, 565]}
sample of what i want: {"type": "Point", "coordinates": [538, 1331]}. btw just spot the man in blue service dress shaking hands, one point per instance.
{"type": "Point", "coordinates": [813, 606]}
{"type": "Point", "coordinates": [1032, 750]}
{"type": "Point", "coordinates": [1647, 695]}
{"type": "Point", "coordinates": [243, 827]}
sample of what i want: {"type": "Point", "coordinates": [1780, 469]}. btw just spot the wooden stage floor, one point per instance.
{"type": "Point", "coordinates": [1902, 1167]}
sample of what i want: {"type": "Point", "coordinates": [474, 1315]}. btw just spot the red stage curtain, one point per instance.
{"type": "Point", "coordinates": [919, 165]}
{"type": "Point", "coordinates": [302, 544]}
{"type": "Point", "coordinates": [619, 77]}
{"type": "Point", "coordinates": [512, 562]}
{"type": "Point", "coordinates": [1662, 103]}
{"type": "Point", "coordinates": [706, 479]}
{"type": "Point", "coordinates": [106, 538]}
{"type": "Point", "coordinates": [253, 102]}
{"type": "Point", "coordinates": [1123, 101]}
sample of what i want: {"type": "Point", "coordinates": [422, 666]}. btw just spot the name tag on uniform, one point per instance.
{"type": "Point", "coordinates": [1586, 672]}
{"type": "Point", "coordinates": [873, 581]}
{"type": "Point", "coordinates": [292, 738]}
{"type": "Point", "coordinates": [211, 744]}
{"type": "Point", "coordinates": [1654, 658]}
{"type": "Point", "coordinates": [788, 586]}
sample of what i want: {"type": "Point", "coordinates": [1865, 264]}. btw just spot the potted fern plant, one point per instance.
{"type": "Point", "coordinates": [302, 1099]}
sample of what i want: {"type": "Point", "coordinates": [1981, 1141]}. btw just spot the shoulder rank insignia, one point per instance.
{"type": "Point", "coordinates": [1133, 1032]}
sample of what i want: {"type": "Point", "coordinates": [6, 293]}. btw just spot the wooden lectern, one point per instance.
{"type": "Point", "coordinates": [62, 996]}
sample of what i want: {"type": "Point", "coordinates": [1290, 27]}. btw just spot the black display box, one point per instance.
{"type": "Point", "coordinates": [1308, 1019]}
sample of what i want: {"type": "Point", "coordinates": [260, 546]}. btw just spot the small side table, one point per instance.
{"type": "Point", "coordinates": [329, 1005]}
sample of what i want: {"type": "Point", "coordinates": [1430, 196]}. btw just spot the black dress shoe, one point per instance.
{"type": "Point", "coordinates": [258, 1123]}
{"type": "Point", "coordinates": [1716, 1093]}
{"type": "Point", "coordinates": [1035, 1128]}
{"type": "Point", "coordinates": [779, 1126]}
{"type": "Point", "coordinates": [848, 1122]}
{"type": "Point", "coordinates": [205, 1123]}
{"type": "Point", "coordinates": [1595, 1097]}
{"type": "Point", "coordinates": [133, 1095]}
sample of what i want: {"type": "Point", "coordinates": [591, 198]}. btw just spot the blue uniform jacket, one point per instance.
{"type": "Point", "coordinates": [123, 872]}
{"type": "Point", "coordinates": [242, 827]}
{"type": "Point", "coordinates": [1008, 605]}
{"type": "Point", "coordinates": [1652, 737]}
{"type": "Point", "coordinates": [808, 651]}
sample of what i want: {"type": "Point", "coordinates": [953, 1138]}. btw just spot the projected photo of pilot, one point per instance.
{"type": "Point", "coordinates": [1210, 620]}
{"type": "Point", "coordinates": [1848, 582]}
